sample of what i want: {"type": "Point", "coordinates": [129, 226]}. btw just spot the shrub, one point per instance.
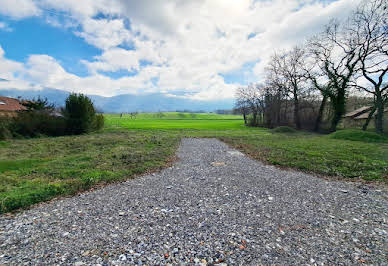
{"type": "Point", "coordinates": [284, 129]}
{"type": "Point", "coordinates": [40, 119]}
{"type": "Point", "coordinates": [5, 133]}
{"type": "Point", "coordinates": [358, 135]}
{"type": "Point", "coordinates": [252, 122]}
{"type": "Point", "coordinates": [181, 115]}
{"type": "Point", "coordinates": [39, 104]}
{"type": "Point", "coordinates": [80, 114]}
{"type": "Point", "coordinates": [37, 123]}
{"type": "Point", "coordinates": [99, 122]}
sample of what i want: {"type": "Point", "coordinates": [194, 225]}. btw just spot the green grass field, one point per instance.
{"type": "Point", "coordinates": [175, 121]}
{"type": "Point", "coordinates": [36, 170]}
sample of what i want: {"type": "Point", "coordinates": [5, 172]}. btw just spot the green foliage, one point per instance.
{"type": "Point", "coordinates": [80, 114]}
{"type": "Point", "coordinates": [5, 133]}
{"type": "Point", "coordinates": [181, 115]}
{"type": "Point", "coordinates": [284, 129]}
{"type": "Point", "coordinates": [39, 104]}
{"type": "Point", "coordinates": [251, 121]}
{"type": "Point", "coordinates": [37, 123]}
{"type": "Point", "coordinates": [160, 115]}
{"type": "Point", "coordinates": [38, 120]}
{"type": "Point", "coordinates": [80, 117]}
{"type": "Point", "coordinates": [358, 135]}
{"type": "Point", "coordinates": [99, 122]}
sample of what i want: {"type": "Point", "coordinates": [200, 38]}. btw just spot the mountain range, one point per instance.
{"type": "Point", "coordinates": [124, 103]}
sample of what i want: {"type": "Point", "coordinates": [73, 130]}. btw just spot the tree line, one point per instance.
{"type": "Point", "coordinates": [312, 82]}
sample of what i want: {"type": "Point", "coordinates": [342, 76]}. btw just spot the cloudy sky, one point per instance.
{"type": "Point", "coordinates": [202, 49]}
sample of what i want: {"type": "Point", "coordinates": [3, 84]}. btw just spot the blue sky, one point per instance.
{"type": "Point", "coordinates": [34, 36]}
{"type": "Point", "coordinates": [107, 47]}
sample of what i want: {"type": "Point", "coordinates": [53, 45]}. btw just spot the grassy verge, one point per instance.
{"type": "Point", "coordinates": [318, 154]}
{"type": "Point", "coordinates": [37, 170]}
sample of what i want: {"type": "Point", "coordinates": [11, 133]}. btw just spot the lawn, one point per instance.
{"type": "Point", "coordinates": [36, 170]}
{"type": "Point", "coordinates": [175, 121]}
{"type": "Point", "coordinates": [318, 154]}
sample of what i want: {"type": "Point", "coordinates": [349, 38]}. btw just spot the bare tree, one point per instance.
{"type": "Point", "coordinates": [369, 26]}
{"type": "Point", "coordinates": [337, 57]}
{"type": "Point", "coordinates": [242, 107]}
{"type": "Point", "coordinates": [275, 95]}
{"type": "Point", "coordinates": [288, 68]}
{"type": "Point", "coordinates": [320, 83]}
{"type": "Point", "coordinates": [160, 115]}
{"type": "Point", "coordinates": [133, 115]}
{"type": "Point", "coordinates": [250, 97]}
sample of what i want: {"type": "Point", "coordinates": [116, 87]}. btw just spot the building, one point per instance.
{"type": "Point", "coordinates": [9, 107]}
{"type": "Point", "coordinates": [358, 117]}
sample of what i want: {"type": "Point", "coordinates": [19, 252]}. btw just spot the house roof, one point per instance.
{"type": "Point", "coordinates": [358, 112]}
{"type": "Point", "coordinates": [10, 104]}
{"type": "Point", "coordinates": [361, 113]}
{"type": "Point", "coordinates": [362, 116]}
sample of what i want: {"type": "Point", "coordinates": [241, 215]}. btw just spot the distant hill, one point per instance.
{"type": "Point", "coordinates": [126, 102]}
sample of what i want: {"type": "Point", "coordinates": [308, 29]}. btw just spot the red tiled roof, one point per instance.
{"type": "Point", "coordinates": [10, 104]}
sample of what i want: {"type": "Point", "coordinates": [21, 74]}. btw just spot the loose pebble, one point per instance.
{"type": "Point", "coordinates": [213, 207]}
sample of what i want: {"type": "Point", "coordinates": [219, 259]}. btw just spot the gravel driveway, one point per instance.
{"type": "Point", "coordinates": [215, 205]}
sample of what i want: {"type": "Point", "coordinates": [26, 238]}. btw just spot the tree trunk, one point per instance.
{"type": "Point", "coordinates": [296, 112]}
{"type": "Point", "coordinates": [370, 116]}
{"type": "Point", "coordinates": [245, 118]}
{"type": "Point", "coordinates": [380, 113]}
{"type": "Point", "coordinates": [254, 118]}
{"type": "Point", "coordinates": [285, 112]}
{"type": "Point", "coordinates": [339, 108]}
{"type": "Point", "coordinates": [318, 121]}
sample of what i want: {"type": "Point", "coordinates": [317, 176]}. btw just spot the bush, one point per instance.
{"type": "Point", "coordinates": [181, 115]}
{"type": "Point", "coordinates": [99, 122]}
{"type": "Point", "coordinates": [79, 117]}
{"type": "Point", "coordinates": [5, 133]}
{"type": "Point", "coordinates": [80, 114]}
{"type": "Point", "coordinates": [39, 104]}
{"type": "Point", "coordinates": [37, 123]}
{"type": "Point", "coordinates": [358, 135]}
{"type": "Point", "coordinates": [284, 129]}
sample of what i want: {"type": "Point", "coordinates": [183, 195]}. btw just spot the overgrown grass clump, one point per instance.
{"type": "Point", "coordinates": [284, 129]}
{"type": "Point", "coordinates": [358, 135]}
{"type": "Point", "coordinates": [36, 170]}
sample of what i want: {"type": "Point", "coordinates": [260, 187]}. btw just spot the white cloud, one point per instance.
{"type": "Point", "coordinates": [4, 26]}
{"type": "Point", "coordinates": [82, 9]}
{"type": "Point", "coordinates": [18, 8]}
{"type": "Point", "coordinates": [8, 68]}
{"type": "Point", "coordinates": [43, 69]}
{"type": "Point", "coordinates": [188, 43]}
{"type": "Point", "coordinates": [104, 33]}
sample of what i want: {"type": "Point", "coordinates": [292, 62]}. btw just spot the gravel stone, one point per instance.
{"type": "Point", "coordinates": [214, 206]}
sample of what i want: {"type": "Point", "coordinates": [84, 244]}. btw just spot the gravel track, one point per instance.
{"type": "Point", "coordinates": [214, 206]}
